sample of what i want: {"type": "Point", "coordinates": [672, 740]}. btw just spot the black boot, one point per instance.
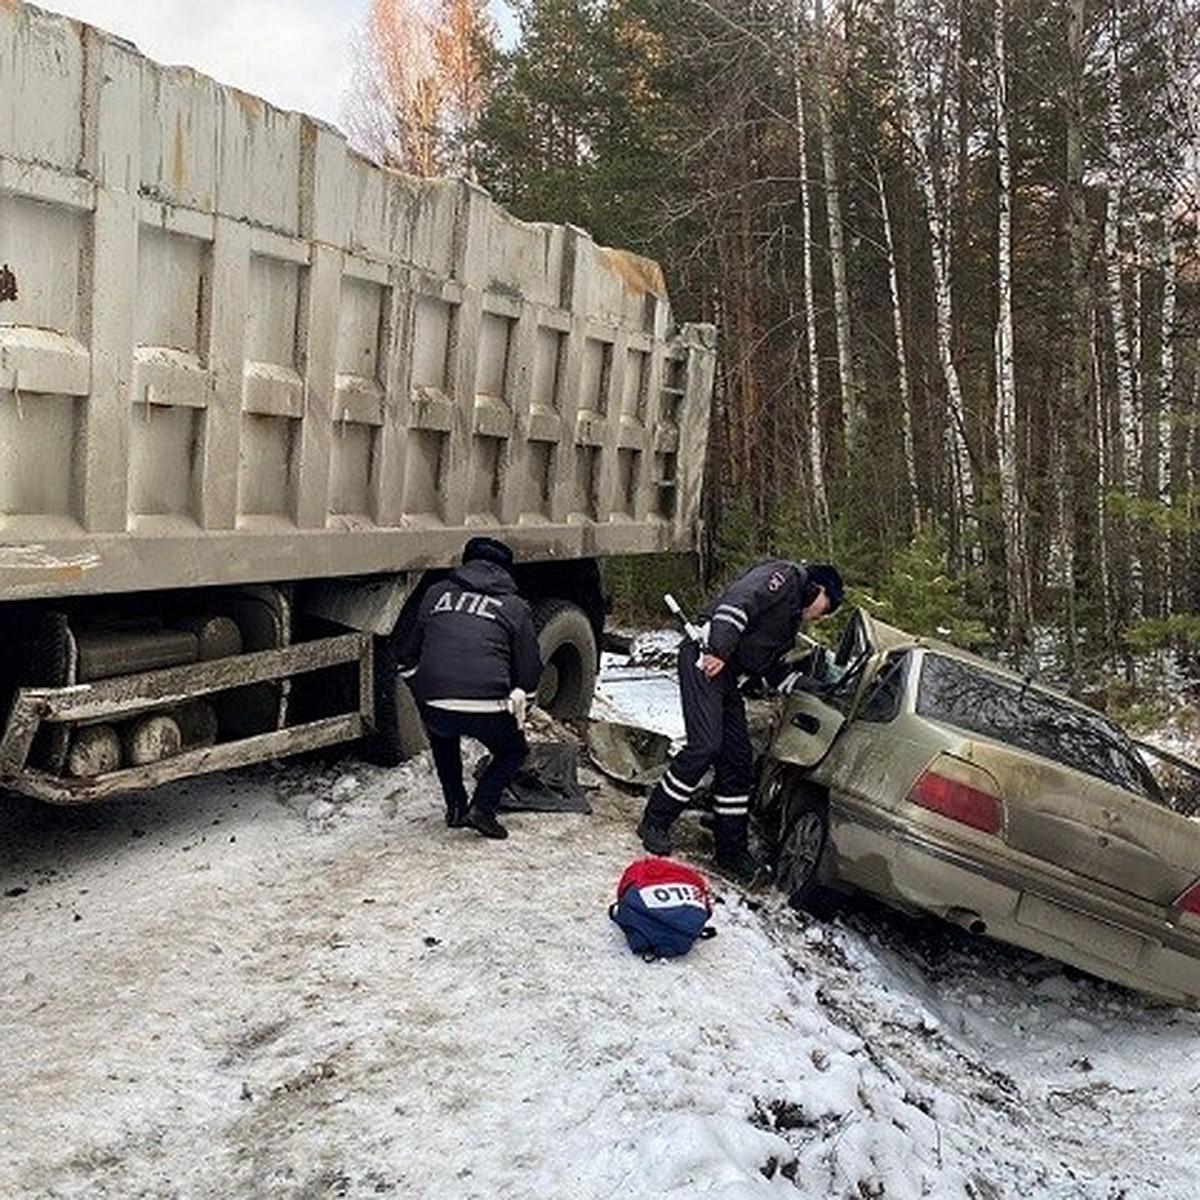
{"type": "Point", "coordinates": [655, 826]}
{"type": "Point", "coordinates": [485, 823]}
{"type": "Point", "coordinates": [732, 836]}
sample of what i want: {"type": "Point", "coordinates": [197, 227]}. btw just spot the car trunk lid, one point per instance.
{"type": "Point", "coordinates": [1092, 828]}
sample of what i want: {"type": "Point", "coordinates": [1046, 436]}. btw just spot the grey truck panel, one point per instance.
{"type": "Point", "coordinates": [232, 349]}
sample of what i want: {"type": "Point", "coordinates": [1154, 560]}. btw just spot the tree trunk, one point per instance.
{"type": "Point", "coordinates": [1126, 457]}
{"type": "Point", "coordinates": [1012, 509]}
{"type": "Point", "coordinates": [1160, 584]}
{"type": "Point", "coordinates": [919, 111]}
{"type": "Point", "coordinates": [903, 389]}
{"type": "Point", "coordinates": [1080, 526]}
{"type": "Point", "coordinates": [812, 407]}
{"type": "Point", "coordinates": [1166, 357]}
{"type": "Point", "coordinates": [852, 416]}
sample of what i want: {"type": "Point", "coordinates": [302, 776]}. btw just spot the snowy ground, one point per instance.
{"type": "Point", "coordinates": [295, 982]}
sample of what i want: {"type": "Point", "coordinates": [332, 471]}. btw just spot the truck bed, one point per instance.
{"type": "Point", "coordinates": [232, 349]}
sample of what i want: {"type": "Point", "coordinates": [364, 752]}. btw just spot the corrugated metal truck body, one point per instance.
{"type": "Point", "coordinates": [248, 376]}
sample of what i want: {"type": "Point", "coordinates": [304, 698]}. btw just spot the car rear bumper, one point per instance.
{"type": "Point", "coordinates": [1040, 912]}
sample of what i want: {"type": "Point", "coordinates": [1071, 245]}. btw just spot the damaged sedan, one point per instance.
{"type": "Point", "coordinates": [942, 784]}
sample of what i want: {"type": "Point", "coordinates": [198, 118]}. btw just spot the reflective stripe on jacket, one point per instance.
{"type": "Point", "coordinates": [757, 617]}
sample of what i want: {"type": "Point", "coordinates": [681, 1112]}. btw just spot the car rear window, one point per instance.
{"type": "Point", "coordinates": [974, 700]}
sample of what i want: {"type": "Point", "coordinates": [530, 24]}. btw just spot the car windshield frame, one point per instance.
{"type": "Point", "coordinates": [1020, 714]}
{"type": "Point", "coordinates": [883, 697]}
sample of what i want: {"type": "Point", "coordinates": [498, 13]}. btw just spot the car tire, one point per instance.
{"type": "Point", "coordinates": [768, 807]}
{"type": "Point", "coordinates": [801, 855]}
{"type": "Point", "coordinates": [569, 659]}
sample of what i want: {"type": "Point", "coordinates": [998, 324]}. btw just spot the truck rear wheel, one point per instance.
{"type": "Point", "coordinates": [569, 659]}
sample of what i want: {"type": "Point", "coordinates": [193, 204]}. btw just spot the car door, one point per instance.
{"type": "Point", "coordinates": [810, 720]}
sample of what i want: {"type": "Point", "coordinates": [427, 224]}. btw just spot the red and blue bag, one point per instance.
{"type": "Point", "coordinates": [663, 907]}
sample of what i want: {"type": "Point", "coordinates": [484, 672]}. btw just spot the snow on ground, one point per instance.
{"type": "Point", "coordinates": [640, 686]}
{"type": "Point", "coordinates": [296, 982]}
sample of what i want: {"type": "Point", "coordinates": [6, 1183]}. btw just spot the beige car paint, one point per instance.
{"type": "Point", "coordinates": [1081, 869]}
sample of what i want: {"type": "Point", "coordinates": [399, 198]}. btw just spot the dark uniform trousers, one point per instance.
{"type": "Point", "coordinates": [497, 731]}
{"type": "Point", "coordinates": [714, 716]}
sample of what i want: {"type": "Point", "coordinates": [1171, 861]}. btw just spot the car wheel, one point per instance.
{"type": "Point", "coordinates": [801, 855]}
{"type": "Point", "coordinates": [768, 807]}
{"type": "Point", "coordinates": [569, 659]}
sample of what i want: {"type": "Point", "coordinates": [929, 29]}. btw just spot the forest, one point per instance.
{"type": "Point", "coordinates": [952, 250]}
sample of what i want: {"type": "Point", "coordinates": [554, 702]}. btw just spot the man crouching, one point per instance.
{"type": "Point", "coordinates": [471, 657]}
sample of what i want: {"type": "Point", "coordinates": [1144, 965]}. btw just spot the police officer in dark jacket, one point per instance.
{"type": "Point", "coordinates": [471, 658]}
{"type": "Point", "coordinates": [749, 628]}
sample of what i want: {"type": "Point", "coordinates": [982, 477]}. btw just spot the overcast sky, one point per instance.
{"type": "Point", "coordinates": [294, 53]}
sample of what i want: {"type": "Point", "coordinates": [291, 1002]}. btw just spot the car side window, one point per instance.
{"type": "Point", "coordinates": [882, 699]}
{"type": "Point", "coordinates": [845, 674]}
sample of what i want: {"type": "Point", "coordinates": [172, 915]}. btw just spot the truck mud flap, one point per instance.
{"type": "Point", "coordinates": [35, 708]}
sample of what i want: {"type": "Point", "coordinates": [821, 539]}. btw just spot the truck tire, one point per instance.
{"type": "Point", "coordinates": [399, 734]}
{"type": "Point", "coordinates": [569, 659]}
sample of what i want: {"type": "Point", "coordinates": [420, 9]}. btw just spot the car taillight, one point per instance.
{"type": "Point", "coordinates": [1189, 901]}
{"type": "Point", "coordinates": [959, 800]}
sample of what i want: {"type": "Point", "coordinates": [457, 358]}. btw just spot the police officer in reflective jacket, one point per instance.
{"type": "Point", "coordinates": [471, 659]}
{"type": "Point", "coordinates": [749, 628]}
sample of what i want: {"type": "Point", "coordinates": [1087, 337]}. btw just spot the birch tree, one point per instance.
{"type": "Point", "coordinates": [1164, 489]}
{"type": "Point", "coordinates": [1012, 506]}
{"type": "Point", "coordinates": [399, 94]}
{"type": "Point", "coordinates": [1187, 476]}
{"type": "Point", "coordinates": [1126, 453]}
{"type": "Point", "coordinates": [1166, 374]}
{"type": "Point", "coordinates": [903, 390]}
{"type": "Point", "coordinates": [463, 38]}
{"type": "Point", "coordinates": [421, 83]}
{"type": "Point", "coordinates": [812, 413]}
{"type": "Point", "coordinates": [927, 50]}
{"type": "Point", "coordinates": [852, 413]}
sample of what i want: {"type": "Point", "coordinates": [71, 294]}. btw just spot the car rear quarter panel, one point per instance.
{"type": "Point", "coordinates": [868, 775]}
{"type": "Point", "coordinates": [1093, 829]}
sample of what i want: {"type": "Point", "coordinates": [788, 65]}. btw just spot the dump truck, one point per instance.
{"type": "Point", "coordinates": [256, 391]}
